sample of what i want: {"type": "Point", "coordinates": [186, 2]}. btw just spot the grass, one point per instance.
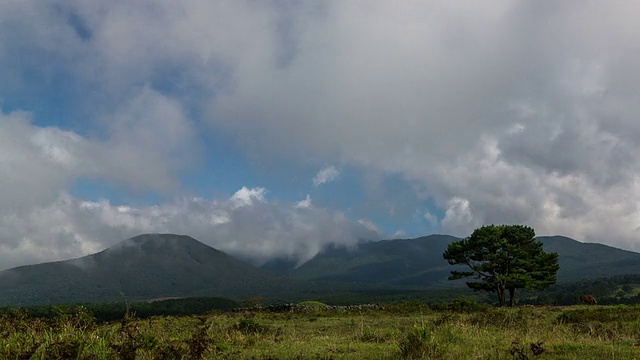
{"type": "Point", "coordinates": [406, 331]}
{"type": "Point", "coordinates": [312, 303]}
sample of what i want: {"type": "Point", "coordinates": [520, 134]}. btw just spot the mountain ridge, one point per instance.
{"type": "Point", "coordinates": [401, 261]}
{"type": "Point", "coordinates": [146, 266]}
{"type": "Point", "coordinates": [166, 265]}
{"type": "Point", "coordinates": [597, 260]}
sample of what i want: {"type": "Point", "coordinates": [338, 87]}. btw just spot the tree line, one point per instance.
{"type": "Point", "coordinates": [117, 310]}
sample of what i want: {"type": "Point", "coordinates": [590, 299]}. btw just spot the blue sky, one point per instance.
{"type": "Point", "coordinates": [272, 129]}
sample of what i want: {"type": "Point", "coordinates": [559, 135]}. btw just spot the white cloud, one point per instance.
{"type": "Point", "coordinates": [247, 197]}
{"type": "Point", "coordinates": [328, 174]}
{"type": "Point", "coordinates": [370, 225]}
{"type": "Point", "coordinates": [496, 118]}
{"type": "Point", "coordinates": [304, 204]}
{"type": "Point", "coordinates": [480, 110]}
{"type": "Point", "coordinates": [149, 142]}
{"type": "Point", "coordinates": [257, 230]}
{"type": "Point", "coordinates": [431, 218]}
{"type": "Point", "coordinates": [458, 218]}
{"type": "Point", "coordinates": [38, 165]}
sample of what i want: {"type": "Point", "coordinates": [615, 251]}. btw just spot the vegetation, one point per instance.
{"type": "Point", "coordinates": [401, 262]}
{"type": "Point", "coordinates": [582, 261]}
{"type": "Point", "coordinates": [116, 310]}
{"type": "Point", "coordinates": [503, 258]}
{"type": "Point", "coordinates": [459, 330]}
{"type": "Point", "coordinates": [312, 303]}
{"type": "Point", "coordinates": [165, 266]}
{"type": "Point", "coordinates": [622, 289]}
{"type": "Point", "coordinates": [143, 267]}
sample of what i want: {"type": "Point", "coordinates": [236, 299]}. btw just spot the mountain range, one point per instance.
{"type": "Point", "coordinates": [165, 265]}
{"type": "Point", "coordinates": [143, 267]}
{"type": "Point", "coordinates": [418, 262]}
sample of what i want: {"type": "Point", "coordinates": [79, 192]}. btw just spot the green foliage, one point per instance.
{"type": "Point", "coordinates": [461, 305]}
{"type": "Point", "coordinates": [313, 304]}
{"type": "Point", "coordinates": [421, 343]}
{"type": "Point", "coordinates": [117, 310]}
{"type": "Point", "coordinates": [129, 339]}
{"type": "Point", "coordinates": [199, 343]}
{"type": "Point", "coordinates": [521, 352]}
{"type": "Point", "coordinates": [251, 326]}
{"type": "Point", "coordinates": [410, 332]}
{"type": "Point", "coordinates": [599, 314]}
{"type": "Point", "coordinates": [503, 258]}
{"type": "Point", "coordinates": [606, 290]}
{"type": "Point", "coordinates": [254, 301]}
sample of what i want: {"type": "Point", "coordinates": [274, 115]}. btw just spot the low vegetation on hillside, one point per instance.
{"type": "Point", "coordinates": [460, 329]}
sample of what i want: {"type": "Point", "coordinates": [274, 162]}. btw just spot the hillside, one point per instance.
{"type": "Point", "coordinates": [580, 261]}
{"type": "Point", "coordinates": [407, 262]}
{"type": "Point", "coordinates": [146, 266]}
{"type": "Point", "coordinates": [163, 265]}
{"type": "Point", "coordinates": [418, 262]}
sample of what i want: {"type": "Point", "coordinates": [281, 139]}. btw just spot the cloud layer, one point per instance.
{"type": "Point", "coordinates": [504, 112]}
{"type": "Point", "coordinates": [245, 225]}
{"type": "Point", "coordinates": [499, 112]}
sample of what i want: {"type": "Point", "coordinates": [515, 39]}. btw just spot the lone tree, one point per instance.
{"type": "Point", "coordinates": [503, 258]}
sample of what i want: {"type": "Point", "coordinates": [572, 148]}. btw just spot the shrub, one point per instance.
{"type": "Point", "coordinates": [462, 305]}
{"type": "Point", "coordinates": [250, 326]}
{"type": "Point", "coordinates": [408, 306]}
{"type": "Point", "coordinates": [421, 343]}
{"type": "Point", "coordinates": [618, 313]}
{"type": "Point", "coordinates": [313, 304]}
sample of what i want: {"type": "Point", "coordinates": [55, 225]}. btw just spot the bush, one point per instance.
{"type": "Point", "coordinates": [462, 305]}
{"type": "Point", "coordinates": [313, 304]}
{"type": "Point", "coordinates": [250, 326]}
{"type": "Point", "coordinates": [603, 315]}
{"type": "Point", "coordinates": [408, 307]}
{"type": "Point", "coordinates": [421, 343]}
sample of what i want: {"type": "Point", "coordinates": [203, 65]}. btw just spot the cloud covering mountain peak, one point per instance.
{"type": "Point", "coordinates": [500, 112]}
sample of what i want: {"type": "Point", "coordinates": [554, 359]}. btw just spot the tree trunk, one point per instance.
{"type": "Point", "coordinates": [501, 294]}
{"type": "Point", "coordinates": [512, 296]}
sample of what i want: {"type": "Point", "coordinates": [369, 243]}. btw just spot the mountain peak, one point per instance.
{"type": "Point", "coordinates": [156, 238]}
{"type": "Point", "coordinates": [142, 267]}
{"type": "Point", "coordinates": [151, 243]}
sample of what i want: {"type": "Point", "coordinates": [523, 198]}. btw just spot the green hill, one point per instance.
{"type": "Point", "coordinates": [143, 267]}
{"type": "Point", "coordinates": [408, 262]}
{"type": "Point", "coordinates": [579, 261]}
{"type": "Point", "coordinates": [165, 266]}
{"type": "Point", "coordinates": [419, 263]}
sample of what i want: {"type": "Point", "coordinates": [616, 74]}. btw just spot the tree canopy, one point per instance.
{"type": "Point", "coordinates": [503, 258]}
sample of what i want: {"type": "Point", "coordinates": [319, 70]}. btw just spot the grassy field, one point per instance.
{"type": "Point", "coordinates": [463, 330]}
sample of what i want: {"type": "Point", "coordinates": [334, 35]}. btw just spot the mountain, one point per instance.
{"type": "Point", "coordinates": [280, 265]}
{"type": "Point", "coordinates": [418, 262]}
{"type": "Point", "coordinates": [407, 262]}
{"type": "Point", "coordinates": [580, 261]}
{"type": "Point", "coordinates": [163, 265]}
{"type": "Point", "coordinates": [143, 267]}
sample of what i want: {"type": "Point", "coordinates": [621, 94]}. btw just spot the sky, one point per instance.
{"type": "Point", "coordinates": [274, 128]}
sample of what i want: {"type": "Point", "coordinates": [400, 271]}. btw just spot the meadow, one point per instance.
{"type": "Point", "coordinates": [461, 329]}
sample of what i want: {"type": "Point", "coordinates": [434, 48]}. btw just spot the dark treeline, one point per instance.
{"type": "Point", "coordinates": [117, 310]}
{"type": "Point", "coordinates": [621, 289]}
